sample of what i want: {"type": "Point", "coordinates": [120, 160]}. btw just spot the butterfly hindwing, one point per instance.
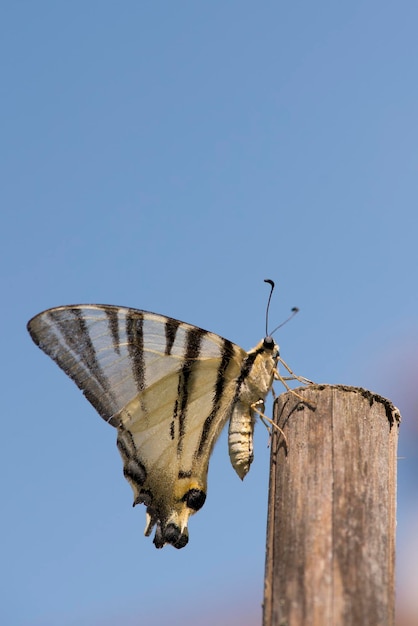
{"type": "Point", "coordinates": [169, 388]}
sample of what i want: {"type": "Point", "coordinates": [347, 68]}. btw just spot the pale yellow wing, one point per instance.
{"type": "Point", "coordinates": [167, 386]}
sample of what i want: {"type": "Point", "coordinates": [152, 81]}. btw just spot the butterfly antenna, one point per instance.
{"type": "Point", "coordinates": [294, 311]}
{"type": "Point", "coordinates": [271, 283]}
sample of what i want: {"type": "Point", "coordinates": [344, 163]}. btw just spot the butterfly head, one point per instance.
{"type": "Point", "coordinates": [271, 346]}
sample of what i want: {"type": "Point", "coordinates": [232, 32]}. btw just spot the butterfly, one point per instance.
{"type": "Point", "coordinates": [169, 388]}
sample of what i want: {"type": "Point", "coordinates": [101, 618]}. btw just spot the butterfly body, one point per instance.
{"type": "Point", "coordinates": [169, 388]}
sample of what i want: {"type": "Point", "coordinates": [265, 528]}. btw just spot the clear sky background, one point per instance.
{"type": "Point", "coordinates": [170, 156]}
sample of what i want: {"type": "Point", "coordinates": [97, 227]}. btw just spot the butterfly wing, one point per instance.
{"type": "Point", "coordinates": [167, 386]}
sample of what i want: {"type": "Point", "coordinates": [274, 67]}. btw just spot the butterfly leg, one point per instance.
{"type": "Point", "coordinates": [293, 376]}
{"type": "Point", "coordinates": [284, 379]}
{"type": "Point", "coordinates": [264, 419]}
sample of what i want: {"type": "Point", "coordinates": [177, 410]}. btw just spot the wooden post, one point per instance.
{"type": "Point", "coordinates": [331, 516]}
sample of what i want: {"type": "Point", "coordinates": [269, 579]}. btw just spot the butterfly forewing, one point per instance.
{"type": "Point", "coordinates": [114, 353]}
{"type": "Point", "coordinates": [169, 387]}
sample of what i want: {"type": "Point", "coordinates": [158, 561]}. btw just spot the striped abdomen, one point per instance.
{"type": "Point", "coordinates": [240, 438]}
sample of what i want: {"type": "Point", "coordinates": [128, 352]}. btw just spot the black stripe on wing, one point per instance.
{"type": "Point", "coordinates": [171, 327]}
{"type": "Point", "coordinates": [210, 422]}
{"type": "Point", "coordinates": [72, 349]}
{"type": "Point", "coordinates": [245, 372]}
{"type": "Point", "coordinates": [194, 336]}
{"type": "Point", "coordinates": [135, 335]}
{"type": "Point", "coordinates": [113, 320]}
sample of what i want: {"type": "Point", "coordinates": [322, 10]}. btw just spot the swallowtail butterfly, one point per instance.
{"type": "Point", "coordinates": [168, 388]}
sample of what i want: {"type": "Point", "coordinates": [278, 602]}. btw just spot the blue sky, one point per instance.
{"type": "Point", "coordinates": [170, 156]}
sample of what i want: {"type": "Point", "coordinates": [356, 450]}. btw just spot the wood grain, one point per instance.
{"type": "Point", "coordinates": [332, 504]}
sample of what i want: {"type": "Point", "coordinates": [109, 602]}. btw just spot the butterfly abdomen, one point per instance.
{"type": "Point", "coordinates": [240, 439]}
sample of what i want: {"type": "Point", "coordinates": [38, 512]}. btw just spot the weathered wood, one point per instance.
{"type": "Point", "coordinates": [332, 503]}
